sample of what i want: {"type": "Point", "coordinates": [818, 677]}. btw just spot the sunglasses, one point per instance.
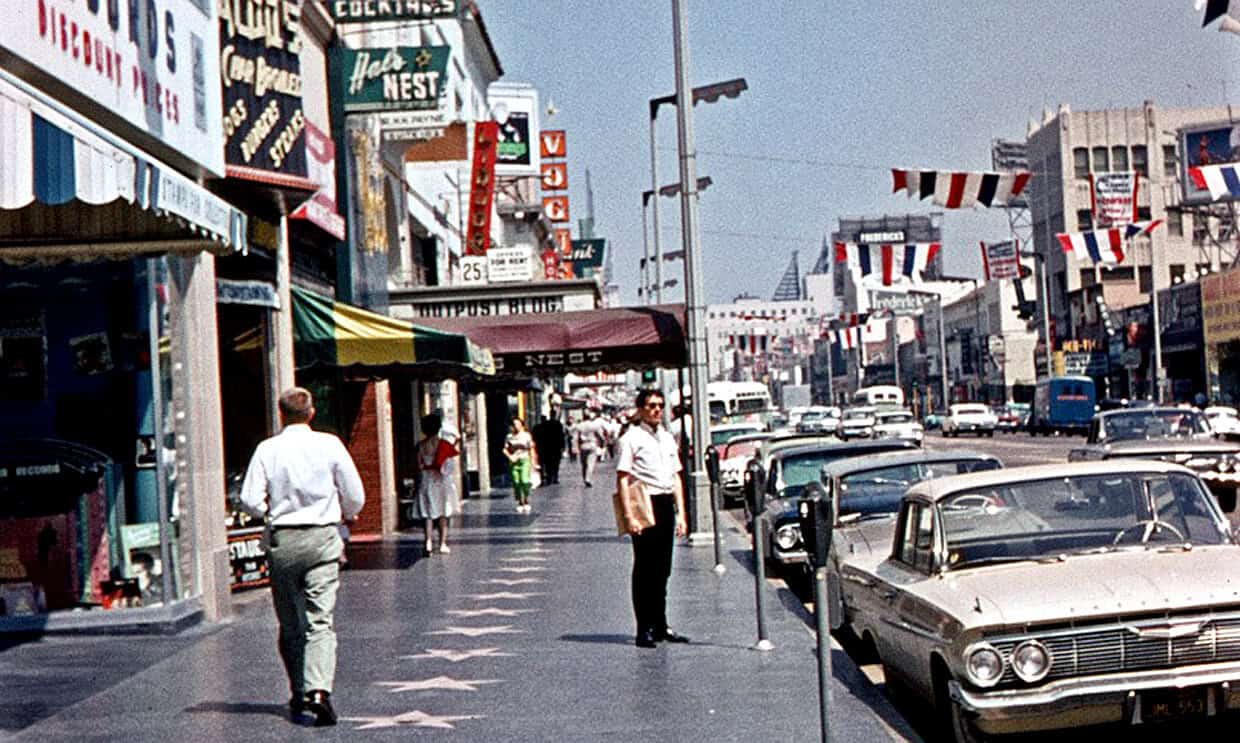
{"type": "Point", "coordinates": [653, 405]}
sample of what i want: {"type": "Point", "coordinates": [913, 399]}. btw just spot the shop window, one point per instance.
{"type": "Point", "coordinates": [1170, 161]}
{"type": "Point", "coordinates": [1089, 277]}
{"type": "Point", "coordinates": [1119, 157]}
{"type": "Point", "coordinates": [1140, 160]}
{"type": "Point", "coordinates": [1102, 160]}
{"type": "Point", "coordinates": [1080, 162]}
{"type": "Point", "coordinates": [1084, 220]}
{"type": "Point", "coordinates": [1175, 223]}
{"type": "Point", "coordinates": [1118, 274]}
{"type": "Point", "coordinates": [1145, 279]}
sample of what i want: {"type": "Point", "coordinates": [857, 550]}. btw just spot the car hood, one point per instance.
{"type": "Point", "coordinates": [1085, 586]}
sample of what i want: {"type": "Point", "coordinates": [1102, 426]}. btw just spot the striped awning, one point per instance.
{"type": "Point", "coordinates": [53, 155]}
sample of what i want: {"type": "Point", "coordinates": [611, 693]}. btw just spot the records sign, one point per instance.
{"type": "Point", "coordinates": [398, 78]}
{"type": "Point", "coordinates": [366, 11]}
{"type": "Point", "coordinates": [261, 76]}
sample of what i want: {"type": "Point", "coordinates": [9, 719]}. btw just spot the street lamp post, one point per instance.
{"type": "Point", "coordinates": [669, 190]}
{"type": "Point", "coordinates": [644, 292]}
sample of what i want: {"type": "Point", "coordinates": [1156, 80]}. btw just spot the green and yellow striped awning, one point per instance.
{"type": "Point", "coordinates": [327, 333]}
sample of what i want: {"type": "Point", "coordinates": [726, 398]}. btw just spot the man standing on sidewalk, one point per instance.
{"type": "Point", "coordinates": [305, 482]}
{"type": "Point", "coordinates": [549, 440]}
{"type": "Point", "coordinates": [649, 458]}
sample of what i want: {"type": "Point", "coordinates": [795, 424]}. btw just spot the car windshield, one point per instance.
{"type": "Point", "coordinates": [1140, 425]}
{"type": "Point", "coordinates": [857, 414]}
{"type": "Point", "coordinates": [814, 415]}
{"type": "Point", "coordinates": [1048, 518]}
{"type": "Point", "coordinates": [888, 418]}
{"type": "Point", "coordinates": [879, 491]}
{"type": "Point", "coordinates": [723, 436]}
{"type": "Point", "coordinates": [799, 469]}
{"type": "Point", "coordinates": [741, 448]}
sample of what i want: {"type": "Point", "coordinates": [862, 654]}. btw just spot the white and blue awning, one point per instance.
{"type": "Point", "coordinates": [53, 155]}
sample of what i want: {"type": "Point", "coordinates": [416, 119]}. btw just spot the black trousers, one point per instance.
{"type": "Point", "coordinates": [551, 465]}
{"type": "Point", "coordinates": [652, 566]}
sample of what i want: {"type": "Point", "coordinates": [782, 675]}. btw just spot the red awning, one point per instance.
{"type": "Point", "coordinates": [609, 340]}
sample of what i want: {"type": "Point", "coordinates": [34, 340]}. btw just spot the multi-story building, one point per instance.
{"type": "Point", "coordinates": [1063, 153]}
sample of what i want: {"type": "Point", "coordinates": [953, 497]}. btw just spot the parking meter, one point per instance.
{"type": "Point", "coordinates": [712, 464]}
{"type": "Point", "coordinates": [814, 515]}
{"type": "Point", "coordinates": [755, 487]}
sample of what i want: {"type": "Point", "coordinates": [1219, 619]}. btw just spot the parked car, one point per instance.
{"type": "Point", "coordinates": [781, 471]}
{"type": "Point", "coordinates": [856, 423]}
{"type": "Point", "coordinates": [1012, 417]}
{"type": "Point", "coordinates": [1052, 597]}
{"type": "Point", "coordinates": [896, 423]}
{"type": "Point", "coordinates": [865, 493]}
{"type": "Point", "coordinates": [1224, 421]}
{"type": "Point", "coordinates": [723, 433]}
{"type": "Point", "coordinates": [1179, 435]}
{"type": "Point", "coordinates": [733, 456]}
{"type": "Point", "coordinates": [970, 417]}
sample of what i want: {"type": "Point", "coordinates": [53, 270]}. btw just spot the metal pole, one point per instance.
{"type": "Point", "coordinates": [719, 568]}
{"type": "Point", "coordinates": [654, 214]}
{"type": "Point", "coordinates": [821, 608]}
{"type": "Point", "coordinates": [942, 356]}
{"type": "Point", "coordinates": [644, 293]}
{"type": "Point", "coordinates": [1044, 262]}
{"type": "Point", "coordinates": [758, 528]}
{"type": "Point", "coordinates": [895, 347]}
{"type": "Point", "coordinates": [694, 291]}
{"type": "Point", "coordinates": [1157, 322]}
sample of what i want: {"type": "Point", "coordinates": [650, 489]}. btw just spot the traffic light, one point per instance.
{"type": "Point", "coordinates": [649, 376]}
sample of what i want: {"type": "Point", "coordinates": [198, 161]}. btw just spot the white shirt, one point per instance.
{"type": "Point", "coordinates": [295, 477]}
{"type": "Point", "coordinates": [650, 455]}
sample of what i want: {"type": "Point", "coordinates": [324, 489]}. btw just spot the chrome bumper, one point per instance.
{"type": "Point", "coordinates": [1092, 700]}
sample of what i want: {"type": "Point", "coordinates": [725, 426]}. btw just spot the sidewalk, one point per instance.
{"type": "Point", "coordinates": [523, 633]}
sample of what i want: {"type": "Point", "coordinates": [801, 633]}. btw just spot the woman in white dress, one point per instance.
{"type": "Point", "coordinates": [438, 499]}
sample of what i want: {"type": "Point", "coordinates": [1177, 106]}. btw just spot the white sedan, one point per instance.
{"type": "Point", "coordinates": [1224, 421]}
{"type": "Point", "coordinates": [969, 418]}
{"type": "Point", "coordinates": [898, 424]}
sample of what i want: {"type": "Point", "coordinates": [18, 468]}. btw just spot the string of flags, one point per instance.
{"type": "Point", "coordinates": [1214, 9]}
{"type": "Point", "coordinates": [958, 190]}
{"type": "Point", "coordinates": [847, 338]}
{"type": "Point", "coordinates": [1220, 180]}
{"type": "Point", "coordinates": [888, 259]}
{"type": "Point", "coordinates": [1104, 246]}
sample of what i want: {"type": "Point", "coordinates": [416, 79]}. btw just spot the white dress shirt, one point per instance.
{"type": "Point", "coordinates": [295, 477]}
{"type": "Point", "coordinates": [650, 455]}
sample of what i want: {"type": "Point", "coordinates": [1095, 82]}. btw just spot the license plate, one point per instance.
{"type": "Point", "coordinates": [1175, 704]}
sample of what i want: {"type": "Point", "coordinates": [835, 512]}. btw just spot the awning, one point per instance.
{"type": "Point", "coordinates": [608, 340]}
{"type": "Point", "coordinates": [52, 155]}
{"type": "Point", "coordinates": [330, 334]}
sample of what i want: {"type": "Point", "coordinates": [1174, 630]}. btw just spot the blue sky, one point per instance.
{"type": "Point", "coordinates": [839, 92]}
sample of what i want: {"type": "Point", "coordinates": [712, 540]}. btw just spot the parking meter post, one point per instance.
{"type": "Point", "coordinates": [759, 576]}
{"type": "Point", "coordinates": [821, 608]}
{"type": "Point", "coordinates": [712, 471]}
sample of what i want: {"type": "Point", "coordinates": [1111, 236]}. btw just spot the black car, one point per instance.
{"type": "Point", "coordinates": [1177, 435]}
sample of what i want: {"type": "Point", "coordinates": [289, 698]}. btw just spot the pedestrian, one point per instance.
{"type": "Point", "coordinates": [306, 484]}
{"type": "Point", "coordinates": [438, 499]}
{"type": "Point", "coordinates": [520, 451]}
{"type": "Point", "coordinates": [588, 437]}
{"type": "Point", "coordinates": [549, 438]}
{"type": "Point", "coordinates": [649, 459]}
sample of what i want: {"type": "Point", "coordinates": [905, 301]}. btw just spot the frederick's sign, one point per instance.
{"type": "Point", "coordinates": [394, 78]}
{"type": "Point", "coordinates": [365, 11]}
{"type": "Point", "coordinates": [152, 63]}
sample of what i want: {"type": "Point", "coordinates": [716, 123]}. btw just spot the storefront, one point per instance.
{"type": "Point", "coordinates": [109, 392]}
{"type": "Point", "coordinates": [1220, 310]}
{"type": "Point", "coordinates": [1180, 331]}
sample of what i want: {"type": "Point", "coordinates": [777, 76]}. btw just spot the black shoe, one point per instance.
{"type": "Point", "coordinates": [645, 639]}
{"type": "Point", "coordinates": [297, 704]}
{"type": "Point", "coordinates": [669, 636]}
{"type": "Point", "coordinates": [320, 704]}
{"type": "Point", "coordinates": [588, 485]}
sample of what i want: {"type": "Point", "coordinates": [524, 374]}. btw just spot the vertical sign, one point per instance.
{"type": "Point", "coordinates": [551, 264]}
{"type": "Point", "coordinates": [556, 208]}
{"type": "Point", "coordinates": [562, 238]}
{"type": "Point", "coordinates": [481, 188]}
{"type": "Point", "coordinates": [553, 144]}
{"type": "Point", "coordinates": [553, 147]}
{"type": "Point", "coordinates": [554, 176]}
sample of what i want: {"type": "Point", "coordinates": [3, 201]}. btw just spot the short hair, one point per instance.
{"type": "Point", "coordinates": [296, 404]}
{"type": "Point", "coordinates": [644, 395]}
{"type": "Point", "coordinates": [431, 423]}
{"type": "Point", "coordinates": [144, 559]}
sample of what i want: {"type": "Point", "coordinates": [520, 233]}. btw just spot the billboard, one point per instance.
{"type": "Point", "coordinates": [153, 65]}
{"type": "Point", "coordinates": [400, 78]}
{"type": "Point", "coordinates": [515, 108]}
{"type": "Point", "coordinates": [1207, 144]}
{"type": "Point", "coordinates": [1113, 198]}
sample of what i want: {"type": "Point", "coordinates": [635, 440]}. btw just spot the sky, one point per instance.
{"type": "Point", "coordinates": [839, 93]}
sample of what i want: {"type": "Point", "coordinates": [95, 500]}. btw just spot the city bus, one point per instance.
{"type": "Point", "coordinates": [739, 402]}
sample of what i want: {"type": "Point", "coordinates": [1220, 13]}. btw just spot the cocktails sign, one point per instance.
{"type": "Point", "coordinates": [367, 11]}
{"type": "Point", "coordinates": [399, 78]}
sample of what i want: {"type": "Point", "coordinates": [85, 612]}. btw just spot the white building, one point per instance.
{"type": "Point", "coordinates": [990, 351]}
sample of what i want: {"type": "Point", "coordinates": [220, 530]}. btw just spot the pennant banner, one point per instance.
{"type": "Point", "coordinates": [847, 338]}
{"type": "Point", "coordinates": [1103, 246]}
{"type": "Point", "coordinates": [953, 190]}
{"type": "Point", "coordinates": [1214, 9]}
{"type": "Point", "coordinates": [888, 259]}
{"type": "Point", "coordinates": [1220, 180]}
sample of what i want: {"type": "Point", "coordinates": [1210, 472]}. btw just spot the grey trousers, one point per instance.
{"type": "Point", "coordinates": [305, 573]}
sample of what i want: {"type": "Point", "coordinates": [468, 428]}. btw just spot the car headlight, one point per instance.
{"type": "Point", "coordinates": [1228, 463]}
{"type": "Point", "coordinates": [984, 665]}
{"type": "Point", "coordinates": [788, 536]}
{"type": "Point", "coordinates": [1031, 661]}
{"type": "Point", "coordinates": [1202, 463]}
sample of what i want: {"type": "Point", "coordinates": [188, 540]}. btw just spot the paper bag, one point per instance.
{"type": "Point", "coordinates": [631, 504]}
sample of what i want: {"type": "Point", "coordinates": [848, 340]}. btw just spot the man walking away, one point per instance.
{"type": "Point", "coordinates": [305, 482]}
{"type": "Point", "coordinates": [549, 440]}
{"type": "Point", "coordinates": [649, 458]}
{"type": "Point", "coordinates": [589, 437]}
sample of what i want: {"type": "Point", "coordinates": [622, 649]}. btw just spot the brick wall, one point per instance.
{"type": "Point", "coordinates": [363, 445]}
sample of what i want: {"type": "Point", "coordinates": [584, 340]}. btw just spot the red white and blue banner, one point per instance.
{"type": "Point", "coordinates": [1113, 198]}
{"type": "Point", "coordinates": [1222, 181]}
{"type": "Point", "coordinates": [1213, 9]}
{"type": "Point", "coordinates": [1103, 246]}
{"type": "Point", "coordinates": [959, 190]}
{"type": "Point", "coordinates": [888, 260]}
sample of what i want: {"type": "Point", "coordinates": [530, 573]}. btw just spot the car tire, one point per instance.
{"type": "Point", "coordinates": [954, 721]}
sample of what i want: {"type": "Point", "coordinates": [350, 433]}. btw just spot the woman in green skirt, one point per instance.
{"type": "Point", "coordinates": [519, 448]}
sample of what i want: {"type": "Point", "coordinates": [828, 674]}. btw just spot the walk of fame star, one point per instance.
{"type": "Point", "coordinates": [489, 611]}
{"type": "Point", "coordinates": [456, 656]}
{"type": "Point", "coordinates": [524, 558]}
{"type": "Point", "coordinates": [416, 718]}
{"type": "Point", "coordinates": [504, 629]}
{"type": "Point", "coordinates": [523, 569]}
{"type": "Point", "coordinates": [502, 595]}
{"type": "Point", "coordinates": [512, 581]}
{"type": "Point", "coordinates": [446, 683]}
